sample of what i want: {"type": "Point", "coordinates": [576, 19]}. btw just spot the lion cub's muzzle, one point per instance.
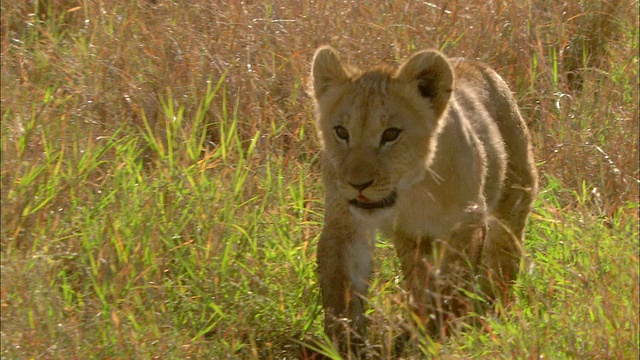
{"type": "Point", "coordinates": [386, 202]}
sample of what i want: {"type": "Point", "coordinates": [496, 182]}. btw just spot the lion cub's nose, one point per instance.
{"type": "Point", "coordinates": [361, 186]}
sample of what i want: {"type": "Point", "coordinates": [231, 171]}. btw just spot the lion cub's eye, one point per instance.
{"type": "Point", "coordinates": [341, 133]}
{"type": "Point", "coordinates": [390, 135]}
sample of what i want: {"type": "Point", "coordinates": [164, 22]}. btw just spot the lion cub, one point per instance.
{"type": "Point", "coordinates": [436, 156]}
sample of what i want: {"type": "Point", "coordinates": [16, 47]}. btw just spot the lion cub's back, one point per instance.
{"type": "Point", "coordinates": [494, 95]}
{"type": "Point", "coordinates": [475, 97]}
{"type": "Point", "coordinates": [477, 78]}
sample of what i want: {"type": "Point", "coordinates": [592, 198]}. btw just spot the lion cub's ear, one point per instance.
{"type": "Point", "coordinates": [430, 72]}
{"type": "Point", "coordinates": [326, 71]}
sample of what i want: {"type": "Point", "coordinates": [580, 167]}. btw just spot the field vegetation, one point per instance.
{"type": "Point", "coordinates": [160, 182]}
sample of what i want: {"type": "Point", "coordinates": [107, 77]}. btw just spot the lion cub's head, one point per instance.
{"type": "Point", "coordinates": [378, 128]}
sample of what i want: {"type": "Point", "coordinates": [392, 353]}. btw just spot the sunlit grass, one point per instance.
{"type": "Point", "coordinates": [161, 194]}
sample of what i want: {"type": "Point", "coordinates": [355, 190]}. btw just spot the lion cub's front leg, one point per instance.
{"type": "Point", "coordinates": [344, 266]}
{"type": "Point", "coordinates": [436, 270]}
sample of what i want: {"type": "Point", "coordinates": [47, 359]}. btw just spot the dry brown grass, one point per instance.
{"type": "Point", "coordinates": [573, 66]}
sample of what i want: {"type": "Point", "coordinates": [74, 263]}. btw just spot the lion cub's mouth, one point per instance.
{"type": "Point", "coordinates": [388, 201]}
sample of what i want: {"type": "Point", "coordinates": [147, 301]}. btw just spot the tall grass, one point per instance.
{"type": "Point", "coordinates": [161, 193]}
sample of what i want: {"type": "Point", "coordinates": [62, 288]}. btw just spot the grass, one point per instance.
{"type": "Point", "coordinates": [161, 195]}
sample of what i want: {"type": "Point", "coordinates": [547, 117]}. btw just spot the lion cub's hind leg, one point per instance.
{"type": "Point", "coordinates": [500, 261]}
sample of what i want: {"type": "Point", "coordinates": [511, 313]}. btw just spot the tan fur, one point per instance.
{"type": "Point", "coordinates": [437, 157]}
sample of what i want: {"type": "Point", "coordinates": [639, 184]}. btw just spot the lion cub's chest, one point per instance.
{"type": "Point", "coordinates": [424, 213]}
{"type": "Point", "coordinates": [440, 201]}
